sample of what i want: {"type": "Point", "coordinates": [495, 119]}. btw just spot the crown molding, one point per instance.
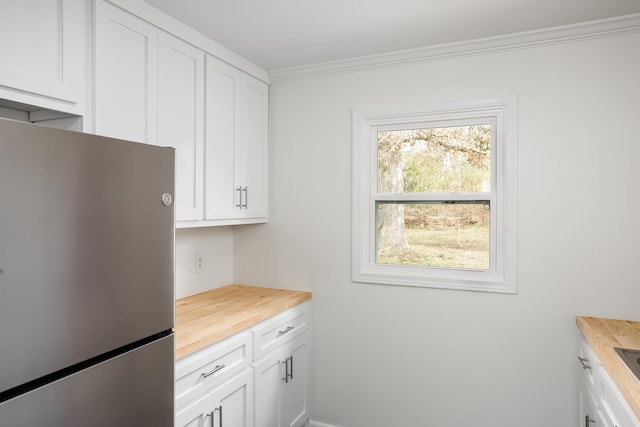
{"type": "Point", "coordinates": [547, 36]}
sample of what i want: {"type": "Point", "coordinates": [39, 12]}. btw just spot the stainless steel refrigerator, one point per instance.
{"type": "Point", "coordinates": [86, 280]}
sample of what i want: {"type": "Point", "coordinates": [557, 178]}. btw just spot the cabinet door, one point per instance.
{"type": "Point", "coordinates": [181, 119]}
{"type": "Point", "coordinates": [253, 147]}
{"type": "Point", "coordinates": [282, 386]}
{"type": "Point", "coordinates": [125, 75]}
{"type": "Point", "coordinates": [230, 405]}
{"type": "Point", "coordinates": [296, 395]}
{"type": "Point", "coordinates": [235, 402]}
{"type": "Point", "coordinates": [614, 407]}
{"type": "Point", "coordinates": [268, 380]}
{"type": "Point", "coordinates": [41, 54]}
{"type": "Point", "coordinates": [236, 144]}
{"type": "Point", "coordinates": [590, 415]}
{"type": "Point", "coordinates": [222, 127]}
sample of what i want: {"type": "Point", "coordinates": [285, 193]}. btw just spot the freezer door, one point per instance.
{"type": "Point", "coordinates": [133, 389]}
{"type": "Point", "coordinates": [86, 247]}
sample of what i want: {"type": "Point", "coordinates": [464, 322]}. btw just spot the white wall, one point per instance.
{"type": "Point", "coordinates": [397, 356]}
{"type": "Point", "coordinates": [216, 245]}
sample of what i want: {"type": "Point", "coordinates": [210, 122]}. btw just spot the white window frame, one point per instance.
{"type": "Point", "coordinates": [502, 274]}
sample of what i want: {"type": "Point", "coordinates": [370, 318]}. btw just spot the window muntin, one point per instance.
{"type": "Point", "coordinates": [497, 195]}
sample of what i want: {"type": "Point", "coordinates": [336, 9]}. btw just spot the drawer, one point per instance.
{"type": "Point", "coordinates": [283, 327]}
{"type": "Point", "coordinates": [205, 369]}
{"type": "Point", "coordinates": [588, 364]}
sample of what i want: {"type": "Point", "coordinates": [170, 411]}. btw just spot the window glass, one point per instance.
{"type": "Point", "coordinates": [434, 234]}
{"type": "Point", "coordinates": [443, 159]}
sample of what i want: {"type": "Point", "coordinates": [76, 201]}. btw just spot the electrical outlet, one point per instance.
{"type": "Point", "coordinates": [200, 262]}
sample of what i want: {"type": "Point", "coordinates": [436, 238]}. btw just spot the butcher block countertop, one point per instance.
{"type": "Point", "coordinates": [605, 334]}
{"type": "Point", "coordinates": [206, 318]}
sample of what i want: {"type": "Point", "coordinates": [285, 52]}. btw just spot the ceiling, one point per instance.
{"type": "Point", "coordinates": [277, 34]}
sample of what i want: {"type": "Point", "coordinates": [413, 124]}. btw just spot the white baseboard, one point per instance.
{"type": "Point", "coordinates": [319, 424]}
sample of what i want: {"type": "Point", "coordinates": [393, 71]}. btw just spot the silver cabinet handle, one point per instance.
{"type": "Point", "coordinates": [219, 409]}
{"type": "Point", "coordinates": [588, 420]}
{"type": "Point", "coordinates": [239, 204]}
{"type": "Point", "coordinates": [246, 197]}
{"type": "Point", "coordinates": [213, 371]}
{"type": "Point", "coordinates": [289, 329]}
{"type": "Point", "coordinates": [288, 369]}
{"type": "Point", "coordinates": [291, 368]}
{"type": "Point", "coordinates": [583, 362]}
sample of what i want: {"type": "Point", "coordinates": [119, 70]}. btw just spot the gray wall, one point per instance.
{"type": "Point", "coordinates": [397, 356]}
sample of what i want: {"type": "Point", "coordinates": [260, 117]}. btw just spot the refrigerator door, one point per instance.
{"type": "Point", "coordinates": [86, 247]}
{"type": "Point", "coordinates": [133, 389]}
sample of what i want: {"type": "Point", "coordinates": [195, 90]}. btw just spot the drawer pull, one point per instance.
{"type": "Point", "coordinates": [289, 328]}
{"type": "Point", "coordinates": [213, 371]}
{"type": "Point", "coordinates": [583, 362]}
{"type": "Point", "coordinates": [588, 420]}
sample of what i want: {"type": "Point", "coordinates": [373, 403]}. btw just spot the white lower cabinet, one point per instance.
{"type": "Point", "coordinates": [215, 385]}
{"type": "Point", "coordinates": [601, 404]}
{"type": "Point", "coordinates": [281, 386]}
{"type": "Point", "coordinates": [256, 378]}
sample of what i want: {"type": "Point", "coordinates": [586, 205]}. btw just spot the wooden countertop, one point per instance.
{"type": "Point", "coordinates": [605, 334]}
{"type": "Point", "coordinates": [206, 318]}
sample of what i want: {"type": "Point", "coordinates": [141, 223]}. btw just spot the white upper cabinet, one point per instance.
{"type": "Point", "coordinates": [181, 119]}
{"type": "Point", "coordinates": [125, 75]}
{"type": "Point", "coordinates": [236, 145]}
{"type": "Point", "coordinates": [157, 83]}
{"type": "Point", "coordinates": [253, 147]}
{"type": "Point", "coordinates": [223, 83]}
{"type": "Point", "coordinates": [42, 53]}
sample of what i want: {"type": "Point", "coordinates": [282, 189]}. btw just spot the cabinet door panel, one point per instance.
{"type": "Point", "coordinates": [253, 146]}
{"type": "Point", "coordinates": [41, 53]}
{"type": "Point", "coordinates": [126, 60]}
{"type": "Point", "coordinates": [296, 398]}
{"type": "Point", "coordinates": [180, 119]}
{"type": "Point", "coordinates": [235, 407]}
{"type": "Point", "coordinates": [221, 130]}
{"type": "Point", "coordinates": [268, 379]}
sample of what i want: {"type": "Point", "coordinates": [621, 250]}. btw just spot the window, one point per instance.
{"type": "Point", "coordinates": [434, 196]}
